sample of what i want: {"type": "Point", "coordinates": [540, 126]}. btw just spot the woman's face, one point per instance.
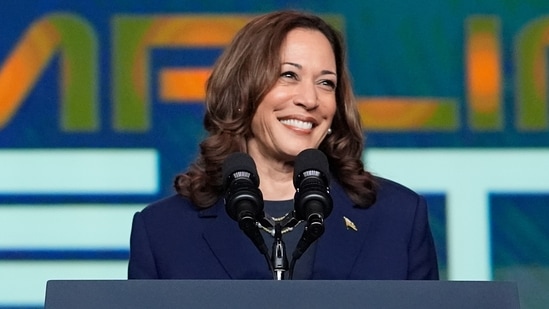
{"type": "Point", "coordinates": [298, 111]}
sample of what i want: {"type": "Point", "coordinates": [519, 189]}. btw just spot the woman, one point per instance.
{"type": "Point", "coordinates": [281, 87]}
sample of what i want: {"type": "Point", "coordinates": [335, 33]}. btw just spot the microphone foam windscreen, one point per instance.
{"type": "Point", "coordinates": [310, 159]}
{"type": "Point", "coordinates": [239, 161]}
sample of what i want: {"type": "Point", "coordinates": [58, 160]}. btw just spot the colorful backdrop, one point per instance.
{"type": "Point", "coordinates": [101, 105]}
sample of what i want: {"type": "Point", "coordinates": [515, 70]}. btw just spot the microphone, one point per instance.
{"type": "Point", "coordinates": [312, 200]}
{"type": "Point", "coordinates": [243, 199]}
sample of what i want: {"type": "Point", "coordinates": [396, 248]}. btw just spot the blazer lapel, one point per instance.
{"type": "Point", "coordinates": [234, 250]}
{"type": "Point", "coordinates": [340, 245]}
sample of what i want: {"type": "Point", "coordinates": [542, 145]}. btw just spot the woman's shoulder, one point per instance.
{"type": "Point", "coordinates": [394, 194]}
{"type": "Point", "coordinates": [390, 187]}
{"type": "Point", "coordinates": [171, 206]}
{"type": "Point", "coordinates": [168, 202]}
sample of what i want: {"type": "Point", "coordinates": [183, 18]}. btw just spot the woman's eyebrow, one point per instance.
{"type": "Point", "coordinates": [299, 66]}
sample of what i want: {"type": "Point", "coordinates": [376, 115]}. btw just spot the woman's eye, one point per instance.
{"type": "Point", "coordinates": [289, 74]}
{"type": "Point", "coordinates": [328, 84]}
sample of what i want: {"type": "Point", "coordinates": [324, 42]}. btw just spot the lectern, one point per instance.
{"type": "Point", "coordinates": [135, 294]}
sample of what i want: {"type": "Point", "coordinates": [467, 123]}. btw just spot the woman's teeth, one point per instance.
{"type": "Point", "coordinates": [297, 123]}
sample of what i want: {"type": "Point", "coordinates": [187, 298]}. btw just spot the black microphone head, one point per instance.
{"type": "Point", "coordinates": [311, 180]}
{"type": "Point", "coordinates": [312, 200]}
{"type": "Point", "coordinates": [243, 199]}
{"type": "Point", "coordinates": [241, 185]}
{"type": "Point", "coordinates": [239, 162]}
{"type": "Point", "coordinates": [310, 159]}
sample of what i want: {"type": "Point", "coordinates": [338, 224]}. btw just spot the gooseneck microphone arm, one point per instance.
{"type": "Point", "coordinates": [278, 254]}
{"type": "Point", "coordinates": [243, 199]}
{"type": "Point", "coordinates": [312, 200]}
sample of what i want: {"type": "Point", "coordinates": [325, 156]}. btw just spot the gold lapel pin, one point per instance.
{"type": "Point", "coordinates": [349, 224]}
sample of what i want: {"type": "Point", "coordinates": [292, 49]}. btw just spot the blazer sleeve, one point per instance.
{"type": "Point", "coordinates": [141, 264]}
{"type": "Point", "coordinates": [422, 262]}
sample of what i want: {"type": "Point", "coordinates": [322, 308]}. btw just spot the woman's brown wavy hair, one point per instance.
{"type": "Point", "coordinates": [245, 72]}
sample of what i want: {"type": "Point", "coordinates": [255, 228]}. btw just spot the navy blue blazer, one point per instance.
{"type": "Point", "coordinates": [172, 239]}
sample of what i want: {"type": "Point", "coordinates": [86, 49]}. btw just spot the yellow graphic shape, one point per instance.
{"type": "Point", "coordinates": [396, 114]}
{"type": "Point", "coordinates": [183, 85]}
{"type": "Point", "coordinates": [24, 65]}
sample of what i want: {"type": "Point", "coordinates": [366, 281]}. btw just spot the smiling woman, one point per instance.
{"type": "Point", "coordinates": [281, 89]}
{"type": "Point", "coordinates": [264, 58]}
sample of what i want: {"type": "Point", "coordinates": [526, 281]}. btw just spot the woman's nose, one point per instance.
{"type": "Point", "coordinates": [306, 96]}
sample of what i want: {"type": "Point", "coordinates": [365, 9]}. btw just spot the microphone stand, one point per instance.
{"type": "Point", "coordinates": [278, 255]}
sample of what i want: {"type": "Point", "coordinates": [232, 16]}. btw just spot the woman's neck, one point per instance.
{"type": "Point", "coordinates": [277, 191]}
{"type": "Point", "coordinates": [275, 179]}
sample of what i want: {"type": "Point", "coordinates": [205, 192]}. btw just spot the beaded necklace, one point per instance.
{"type": "Point", "coordinates": [287, 223]}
